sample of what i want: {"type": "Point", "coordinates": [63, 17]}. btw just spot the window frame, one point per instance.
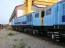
{"type": "Point", "coordinates": [48, 11]}
{"type": "Point", "coordinates": [37, 15]}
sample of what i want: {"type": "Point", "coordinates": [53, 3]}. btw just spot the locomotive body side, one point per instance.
{"type": "Point", "coordinates": [37, 23]}
{"type": "Point", "coordinates": [55, 15]}
{"type": "Point", "coordinates": [29, 23]}
{"type": "Point", "coordinates": [55, 21]}
{"type": "Point", "coordinates": [23, 23]}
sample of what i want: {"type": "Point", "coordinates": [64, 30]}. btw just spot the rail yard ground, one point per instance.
{"type": "Point", "coordinates": [15, 39]}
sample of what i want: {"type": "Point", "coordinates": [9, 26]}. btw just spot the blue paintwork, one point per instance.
{"type": "Point", "coordinates": [21, 21]}
{"type": "Point", "coordinates": [28, 19]}
{"type": "Point", "coordinates": [63, 18]}
{"type": "Point", "coordinates": [13, 22]}
{"type": "Point", "coordinates": [55, 18]}
{"type": "Point", "coordinates": [36, 20]}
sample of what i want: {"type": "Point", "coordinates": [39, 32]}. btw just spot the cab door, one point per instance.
{"type": "Point", "coordinates": [36, 19]}
{"type": "Point", "coordinates": [47, 20]}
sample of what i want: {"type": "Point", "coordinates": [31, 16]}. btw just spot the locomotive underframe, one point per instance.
{"type": "Point", "coordinates": [56, 32]}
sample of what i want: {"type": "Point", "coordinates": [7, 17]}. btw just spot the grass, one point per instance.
{"type": "Point", "coordinates": [14, 46]}
{"type": "Point", "coordinates": [22, 45]}
{"type": "Point", "coordinates": [15, 39]}
{"type": "Point", "coordinates": [11, 34]}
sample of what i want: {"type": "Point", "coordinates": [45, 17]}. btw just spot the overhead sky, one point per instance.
{"type": "Point", "coordinates": [6, 9]}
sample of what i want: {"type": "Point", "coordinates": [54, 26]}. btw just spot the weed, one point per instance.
{"type": "Point", "coordinates": [10, 34]}
{"type": "Point", "coordinates": [22, 45]}
{"type": "Point", "coordinates": [15, 39]}
{"type": "Point", "coordinates": [14, 46]}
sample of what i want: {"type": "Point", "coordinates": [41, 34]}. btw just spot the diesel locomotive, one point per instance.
{"type": "Point", "coordinates": [49, 22]}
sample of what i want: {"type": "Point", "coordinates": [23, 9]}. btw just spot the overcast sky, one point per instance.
{"type": "Point", "coordinates": [6, 9]}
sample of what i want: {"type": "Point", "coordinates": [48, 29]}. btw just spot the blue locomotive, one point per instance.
{"type": "Point", "coordinates": [50, 23]}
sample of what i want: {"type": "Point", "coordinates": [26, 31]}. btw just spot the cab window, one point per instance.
{"type": "Point", "coordinates": [36, 15]}
{"type": "Point", "coordinates": [29, 18]}
{"type": "Point", "coordinates": [48, 12]}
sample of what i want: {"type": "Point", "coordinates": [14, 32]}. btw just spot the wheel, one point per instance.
{"type": "Point", "coordinates": [25, 30]}
{"type": "Point", "coordinates": [63, 37]}
{"type": "Point", "coordinates": [33, 32]}
{"type": "Point", "coordinates": [57, 36]}
{"type": "Point", "coordinates": [16, 29]}
{"type": "Point", "coordinates": [41, 33]}
{"type": "Point", "coordinates": [37, 32]}
{"type": "Point", "coordinates": [52, 36]}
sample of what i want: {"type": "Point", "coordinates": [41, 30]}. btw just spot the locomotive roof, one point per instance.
{"type": "Point", "coordinates": [61, 1]}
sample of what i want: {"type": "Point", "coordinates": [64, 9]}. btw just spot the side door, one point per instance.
{"type": "Point", "coordinates": [36, 19]}
{"type": "Point", "coordinates": [29, 19]}
{"type": "Point", "coordinates": [47, 19]}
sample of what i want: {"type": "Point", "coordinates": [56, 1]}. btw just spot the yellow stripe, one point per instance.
{"type": "Point", "coordinates": [41, 19]}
